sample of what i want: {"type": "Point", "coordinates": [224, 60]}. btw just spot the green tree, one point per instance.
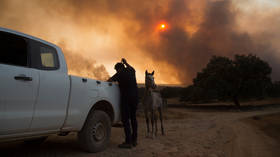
{"type": "Point", "coordinates": [274, 89]}
{"type": "Point", "coordinates": [244, 76]}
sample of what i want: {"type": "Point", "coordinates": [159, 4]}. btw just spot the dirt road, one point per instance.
{"type": "Point", "coordinates": [189, 133]}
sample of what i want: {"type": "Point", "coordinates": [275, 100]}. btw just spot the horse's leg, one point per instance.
{"type": "Point", "coordinates": [161, 123]}
{"type": "Point", "coordinates": [156, 117]}
{"type": "Point", "coordinates": [147, 121]}
{"type": "Point", "coordinates": [152, 120]}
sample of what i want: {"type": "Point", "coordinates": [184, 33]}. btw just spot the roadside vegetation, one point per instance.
{"type": "Point", "coordinates": [243, 78]}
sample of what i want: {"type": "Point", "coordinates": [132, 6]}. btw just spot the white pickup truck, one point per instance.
{"type": "Point", "coordinates": [38, 97]}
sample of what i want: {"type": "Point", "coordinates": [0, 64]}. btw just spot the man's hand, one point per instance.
{"type": "Point", "coordinates": [124, 61]}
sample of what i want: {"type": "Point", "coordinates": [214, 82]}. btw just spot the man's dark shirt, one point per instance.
{"type": "Point", "coordinates": [127, 83]}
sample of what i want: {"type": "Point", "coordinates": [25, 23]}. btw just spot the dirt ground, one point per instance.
{"type": "Point", "coordinates": [189, 133]}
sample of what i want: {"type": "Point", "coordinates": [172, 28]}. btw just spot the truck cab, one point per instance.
{"type": "Point", "coordinates": [39, 98]}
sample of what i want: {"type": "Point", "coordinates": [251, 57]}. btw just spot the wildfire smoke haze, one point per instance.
{"type": "Point", "coordinates": [101, 32]}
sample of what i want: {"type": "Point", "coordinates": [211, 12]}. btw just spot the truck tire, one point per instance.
{"type": "Point", "coordinates": [35, 141]}
{"type": "Point", "coordinates": [96, 132]}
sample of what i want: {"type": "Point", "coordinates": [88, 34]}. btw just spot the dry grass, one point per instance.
{"type": "Point", "coordinates": [269, 124]}
{"type": "Point", "coordinates": [252, 102]}
{"type": "Point", "coordinates": [266, 101]}
{"type": "Point", "coordinates": [168, 114]}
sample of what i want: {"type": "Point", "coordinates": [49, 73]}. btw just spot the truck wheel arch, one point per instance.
{"type": "Point", "coordinates": [105, 106]}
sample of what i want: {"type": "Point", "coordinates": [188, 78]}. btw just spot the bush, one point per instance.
{"type": "Point", "coordinates": [171, 92]}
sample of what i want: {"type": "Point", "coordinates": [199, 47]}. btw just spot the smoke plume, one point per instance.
{"type": "Point", "coordinates": [104, 31]}
{"type": "Point", "coordinates": [81, 66]}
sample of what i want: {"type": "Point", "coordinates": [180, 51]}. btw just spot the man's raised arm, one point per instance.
{"type": "Point", "coordinates": [126, 64]}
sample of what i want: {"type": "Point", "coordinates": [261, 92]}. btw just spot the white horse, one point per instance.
{"type": "Point", "coordinates": [152, 102]}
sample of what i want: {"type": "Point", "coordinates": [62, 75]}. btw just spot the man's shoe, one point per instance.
{"type": "Point", "coordinates": [125, 145]}
{"type": "Point", "coordinates": [134, 144]}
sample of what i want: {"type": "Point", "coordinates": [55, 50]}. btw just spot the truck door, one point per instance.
{"type": "Point", "coordinates": [53, 93]}
{"type": "Point", "coordinates": [18, 85]}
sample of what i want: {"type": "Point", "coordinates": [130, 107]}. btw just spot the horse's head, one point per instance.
{"type": "Point", "coordinates": [149, 80]}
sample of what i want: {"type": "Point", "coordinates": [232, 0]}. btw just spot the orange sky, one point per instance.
{"type": "Point", "coordinates": [104, 33]}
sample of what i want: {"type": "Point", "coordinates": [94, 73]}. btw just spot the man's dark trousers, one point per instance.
{"type": "Point", "coordinates": [129, 107]}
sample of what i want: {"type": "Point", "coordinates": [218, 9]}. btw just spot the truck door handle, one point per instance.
{"type": "Point", "coordinates": [84, 80]}
{"type": "Point", "coordinates": [23, 78]}
{"type": "Point", "coordinates": [98, 82]}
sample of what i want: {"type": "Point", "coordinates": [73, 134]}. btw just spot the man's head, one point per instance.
{"type": "Point", "coordinates": [119, 67]}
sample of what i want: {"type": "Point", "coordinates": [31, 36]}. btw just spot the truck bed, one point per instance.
{"type": "Point", "coordinates": [84, 93]}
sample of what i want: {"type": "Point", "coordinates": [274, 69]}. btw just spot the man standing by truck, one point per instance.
{"type": "Point", "coordinates": [125, 76]}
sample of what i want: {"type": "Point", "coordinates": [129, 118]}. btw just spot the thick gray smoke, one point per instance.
{"type": "Point", "coordinates": [81, 66]}
{"type": "Point", "coordinates": [196, 30]}
{"type": "Point", "coordinates": [216, 35]}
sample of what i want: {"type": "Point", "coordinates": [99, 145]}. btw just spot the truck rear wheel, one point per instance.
{"type": "Point", "coordinates": [96, 132]}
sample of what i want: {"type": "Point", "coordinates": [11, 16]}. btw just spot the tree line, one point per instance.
{"type": "Point", "coordinates": [225, 79]}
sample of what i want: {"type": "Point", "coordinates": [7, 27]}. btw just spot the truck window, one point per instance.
{"type": "Point", "coordinates": [13, 50]}
{"type": "Point", "coordinates": [49, 59]}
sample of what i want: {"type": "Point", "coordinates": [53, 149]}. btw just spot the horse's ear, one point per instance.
{"type": "Point", "coordinates": [146, 72]}
{"type": "Point", "coordinates": [153, 72]}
